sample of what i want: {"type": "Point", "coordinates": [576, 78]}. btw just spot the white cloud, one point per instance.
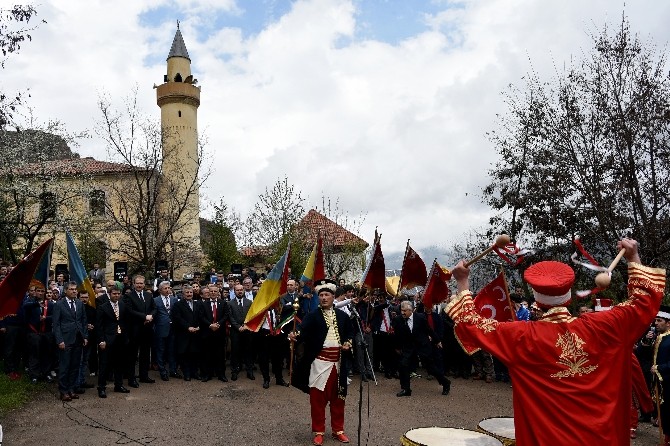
{"type": "Point", "coordinates": [397, 131]}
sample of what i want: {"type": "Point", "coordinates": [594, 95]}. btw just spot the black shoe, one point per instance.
{"type": "Point", "coordinates": [187, 378]}
{"type": "Point", "coordinates": [446, 388]}
{"type": "Point", "coordinates": [223, 378]}
{"type": "Point", "coordinates": [121, 389]}
{"type": "Point", "coordinates": [33, 381]}
{"type": "Point", "coordinates": [49, 379]}
{"type": "Point", "coordinates": [251, 376]}
{"type": "Point", "coordinates": [281, 382]}
{"type": "Point", "coordinates": [233, 377]}
{"type": "Point", "coordinates": [404, 392]}
{"type": "Point", "coordinates": [205, 379]}
{"type": "Point", "coordinates": [388, 375]}
{"type": "Point", "coordinates": [364, 378]}
{"type": "Point", "coordinates": [134, 384]}
{"type": "Point", "coordinates": [164, 377]}
{"type": "Point", "coordinates": [87, 386]}
{"type": "Point", "coordinates": [175, 375]}
{"type": "Point", "coordinates": [102, 393]}
{"type": "Point", "coordinates": [147, 380]}
{"type": "Point", "coordinates": [79, 391]}
{"type": "Point", "coordinates": [196, 377]}
{"type": "Point", "coordinates": [266, 384]}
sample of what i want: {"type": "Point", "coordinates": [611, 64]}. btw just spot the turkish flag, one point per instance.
{"type": "Point", "coordinates": [437, 289]}
{"type": "Point", "coordinates": [413, 270]}
{"type": "Point", "coordinates": [375, 273]}
{"type": "Point", "coordinates": [492, 301]}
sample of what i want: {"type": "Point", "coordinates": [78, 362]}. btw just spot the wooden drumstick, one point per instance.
{"type": "Point", "coordinates": [501, 241]}
{"type": "Point", "coordinates": [603, 279]}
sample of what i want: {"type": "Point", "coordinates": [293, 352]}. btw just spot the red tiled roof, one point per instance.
{"type": "Point", "coordinates": [315, 222]}
{"type": "Point", "coordinates": [75, 166]}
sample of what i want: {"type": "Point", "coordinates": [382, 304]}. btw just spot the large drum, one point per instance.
{"type": "Point", "coordinates": [501, 428]}
{"type": "Point", "coordinates": [446, 436]}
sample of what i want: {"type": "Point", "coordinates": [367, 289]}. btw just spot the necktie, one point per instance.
{"type": "Point", "coordinates": [115, 305]}
{"type": "Point", "coordinates": [72, 307]}
{"type": "Point", "coordinates": [431, 324]}
{"type": "Point", "coordinates": [408, 325]}
{"type": "Point", "coordinates": [239, 302]}
{"type": "Point", "coordinates": [44, 313]}
{"type": "Point", "coordinates": [167, 303]}
{"type": "Point", "coordinates": [213, 311]}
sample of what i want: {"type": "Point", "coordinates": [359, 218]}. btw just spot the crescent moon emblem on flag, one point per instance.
{"type": "Point", "coordinates": [502, 292]}
{"type": "Point", "coordinates": [493, 310]}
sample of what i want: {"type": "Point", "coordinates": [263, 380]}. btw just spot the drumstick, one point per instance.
{"type": "Point", "coordinates": [501, 241]}
{"type": "Point", "coordinates": [603, 279]}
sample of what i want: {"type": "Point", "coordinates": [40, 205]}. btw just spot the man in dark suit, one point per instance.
{"type": "Point", "coordinates": [71, 333]}
{"type": "Point", "coordinates": [413, 336]}
{"type": "Point", "coordinates": [140, 330]}
{"type": "Point", "coordinates": [97, 274]}
{"type": "Point", "coordinates": [40, 339]}
{"type": "Point", "coordinates": [241, 338]}
{"type": "Point", "coordinates": [163, 332]}
{"type": "Point", "coordinates": [215, 313]}
{"type": "Point", "coordinates": [186, 316]}
{"type": "Point", "coordinates": [111, 325]}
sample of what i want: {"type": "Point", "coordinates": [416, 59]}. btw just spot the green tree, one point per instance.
{"type": "Point", "coordinates": [589, 152]}
{"type": "Point", "coordinates": [219, 238]}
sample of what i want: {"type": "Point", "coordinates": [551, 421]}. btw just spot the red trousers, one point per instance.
{"type": "Point", "coordinates": [319, 399]}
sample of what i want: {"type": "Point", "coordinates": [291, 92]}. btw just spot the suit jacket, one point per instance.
{"type": "Point", "coordinates": [163, 318]}
{"type": "Point", "coordinates": [67, 325]}
{"type": "Point", "coordinates": [419, 340]}
{"type": "Point", "coordinates": [97, 276]}
{"type": "Point", "coordinates": [237, 313]}
{"type": "Point", "coordinates": [286, 301]}
{"type": "Point", "coordinates": [107, 324]}
{"type": "Point", "coordinates": [207, 318]}
{"type": "Point", "coordinates": [182, 319]}
{"type": "Point", "coordinates": [33, 312]}
{"type": "Point", "coordinates": [140, 306]}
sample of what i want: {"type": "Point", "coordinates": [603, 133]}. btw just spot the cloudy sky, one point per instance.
{"type": "Point", "coordinates": [383, 104]}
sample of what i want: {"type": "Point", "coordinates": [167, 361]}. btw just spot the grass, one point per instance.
{"type": "Point", "coordinates": [14, 394]}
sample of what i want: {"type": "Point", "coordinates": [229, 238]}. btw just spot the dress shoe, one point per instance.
{"type": "Point", "coordinates": [164, 377]}
{"type": "Point", "coordinates": [233, 377]}
{"type": "Point", "coordinates": [404, 392]}
{"type": "Point", "coordinates": [281, 382]}
{"type": "Point", "coordinates": [147, 380]}
{"type": "Point", "coordinates": [205, 379]}
{"type": "Point", "coordinates": [65, 397]}
{"type": "Point", "coordinates": [102, 393]}
{"type": "Point", "coordinates": [74, 396]}
{"type": "Point", "coordinates": [364, 378]}
{"type": "Point", "coordinates": [339, 436]}
{"type": "Point", "coordinates": [87, 386]}
{"type": "Point", "coordinates": [175, 375]}
{"type": "Point", "coordinates": [134, 384]}
{"type": "Point", "coordinates": [121, 389]}
{"type": "Point", "coordinates": [633, 433]}
{"type": "Point", "coordinates": [477, 377]}
{"type": "Point", "coordinates": [318, 439]}
{"type": "Point", "coordinates": [33, 381]}
{"type": "Point", "coordinates": [79, 391]}
{"type": "Point", "coordinates": [223, 378]}
{"type": "Point", "coordinates": [446, 388]}
{"type": "Point", "coordinates": [187, 378]}
{"type": "Point", "coordinates": [489, 380]}
{"type": "Point", "coordinates": [49, 379]}
{"type": "Point", "coordinates": [266, 384]}
{"type": "Point", "coordinates": [251, 376]}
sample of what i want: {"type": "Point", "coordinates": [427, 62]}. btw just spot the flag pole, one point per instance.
{"type": "Point", "coordinates": [509, 300]}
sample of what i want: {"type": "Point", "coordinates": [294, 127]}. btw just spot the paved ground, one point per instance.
{"type": "Point", "coordinates": [242, 413]}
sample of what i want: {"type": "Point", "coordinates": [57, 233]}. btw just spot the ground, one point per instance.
{"type": "Point", "coordinates": [243, 413]}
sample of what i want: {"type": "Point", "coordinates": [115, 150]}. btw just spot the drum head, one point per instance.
{"type": "Point", "coordinates": [446, 436]}
{"type": "Point", "coordinates": [499, 426]}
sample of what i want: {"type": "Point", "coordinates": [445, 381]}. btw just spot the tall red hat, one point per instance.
{"type": "Point", "coordinates": [551, 282]}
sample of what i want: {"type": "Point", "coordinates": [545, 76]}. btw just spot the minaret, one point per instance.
{"type": "Point", "coordinates": [179, 98]}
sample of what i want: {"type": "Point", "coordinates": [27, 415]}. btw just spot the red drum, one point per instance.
{"type": "Point", "coordinates": [446, 436]}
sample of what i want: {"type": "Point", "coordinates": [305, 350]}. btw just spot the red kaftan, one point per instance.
{"type": "Point", "coordinates": [572, 376]}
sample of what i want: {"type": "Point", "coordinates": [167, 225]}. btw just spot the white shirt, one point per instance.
{"type": "Point", "coordinates": [410, 322]}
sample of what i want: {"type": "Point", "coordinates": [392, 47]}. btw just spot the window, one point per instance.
{"type": "Point", "coordinates": [96, 202]}
{"type": "Point", "coordinates": [179, 113]}
{"type": "Point", "coordinates": [48, 205]}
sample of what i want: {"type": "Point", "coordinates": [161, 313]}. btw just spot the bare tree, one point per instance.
{"type": "Point", "coordinates": [147, 208]}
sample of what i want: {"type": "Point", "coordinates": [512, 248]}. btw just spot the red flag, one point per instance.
{"type": "Point", "coordinates": [436, 289]}
{"type": "Point", "coordinates": [375, 273]}
{"type": "Point", "coordinates": [492, 301]}
{"type": "Point", "coordinates": [319, 269]}
{"type": "Point", "coordinates": [13, 288]}
{"type": "Point", "coordinates": [413, 271]}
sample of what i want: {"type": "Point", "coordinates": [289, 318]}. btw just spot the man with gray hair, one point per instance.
{"type": "Point", "coordinates": [163, 333]}
{"type": "Point", "coordinates": [414, 336]}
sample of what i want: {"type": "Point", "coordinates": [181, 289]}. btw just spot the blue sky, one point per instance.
{"type": "Point", "coordinates": [382, 104]}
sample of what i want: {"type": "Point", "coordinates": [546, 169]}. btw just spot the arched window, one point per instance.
{"type": "Point", "coordinates": [177, 78]}
{"type": "Point", "coordinates": [96, 202]}
{"type": "Point", "coordinates": [179, 113]}
{"type": "Point", "coordinates": [48, 205]}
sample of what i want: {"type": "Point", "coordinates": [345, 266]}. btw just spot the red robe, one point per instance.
{"type": "Point", "coordinates": [572, 376]}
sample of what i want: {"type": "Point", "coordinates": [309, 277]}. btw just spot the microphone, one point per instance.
{"type": "Point", "coordinates": [344, 303]}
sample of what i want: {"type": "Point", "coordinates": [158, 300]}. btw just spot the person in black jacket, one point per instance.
{"type": "Point", "coordinates": [111, 326]}
{"type": "Point", "coordinates": [413, 336]}
{"type": "Point", "coordinates": [186, 317]}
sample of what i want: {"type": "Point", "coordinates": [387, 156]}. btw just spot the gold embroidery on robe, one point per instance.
{"type": "Point", "coordinates": [572, 356]}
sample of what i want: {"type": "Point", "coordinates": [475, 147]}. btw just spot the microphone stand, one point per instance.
{"type": "Point", "coordinates": [362, 344]}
